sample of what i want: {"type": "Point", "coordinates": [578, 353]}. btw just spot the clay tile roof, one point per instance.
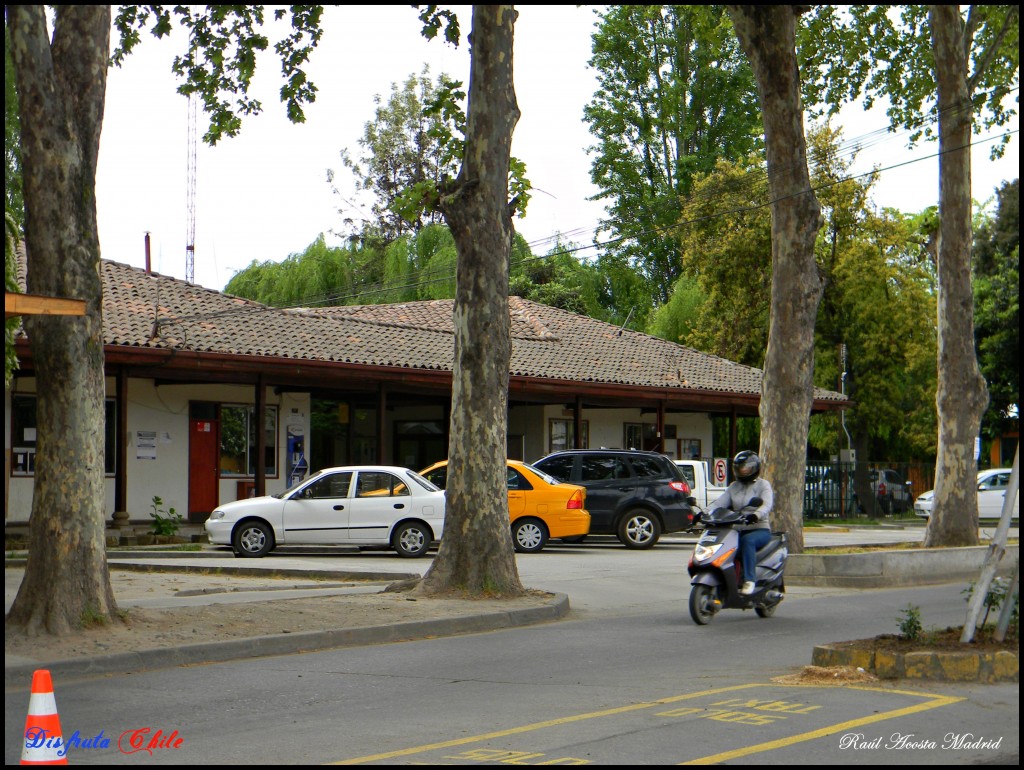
{"type": "Point", "coordinates": [149, 310]}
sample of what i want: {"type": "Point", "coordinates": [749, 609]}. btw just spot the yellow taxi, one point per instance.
{"type": "Point", "coordinates": [540, 506]}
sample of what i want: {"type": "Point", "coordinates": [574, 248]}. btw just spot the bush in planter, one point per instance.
{"type": "Point", "coordinates": [164, 522]}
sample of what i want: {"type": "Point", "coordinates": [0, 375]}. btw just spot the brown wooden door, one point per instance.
{"type": "Point", "coordinates": [202, 468]}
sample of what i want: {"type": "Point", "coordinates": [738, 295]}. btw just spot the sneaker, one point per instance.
{"type": "Point", "coordinates": [747, 589]}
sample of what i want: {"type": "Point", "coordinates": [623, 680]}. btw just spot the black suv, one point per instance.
{"type": "Point", "coordinates": [631, 494]}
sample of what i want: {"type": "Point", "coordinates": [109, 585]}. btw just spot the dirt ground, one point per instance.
{"type": "Point", "coordinates": [157, 628]}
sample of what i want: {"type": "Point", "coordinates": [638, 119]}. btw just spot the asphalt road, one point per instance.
{"type": "Point", "coordinates": [627, 678]}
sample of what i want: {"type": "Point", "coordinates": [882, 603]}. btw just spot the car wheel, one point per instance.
{"type": "Point", "coordinates": [639, 529]}
{"type": "Point", "coordinates": [529, 535]}
{"type": "Point", "coordinates": [412, 539]}
{"type": "Point", "coordinates": [252, 539]}
{"type": "Point", "coordinates": [573, 539]}
{"type": "Point", "coordinates": [702, 599]}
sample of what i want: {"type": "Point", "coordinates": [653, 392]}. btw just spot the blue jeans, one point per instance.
{"type": "Point", "coordinates": [750, 541]}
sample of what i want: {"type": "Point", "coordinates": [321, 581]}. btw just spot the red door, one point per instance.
{"type": "Point", "coordinates": [202, 469]}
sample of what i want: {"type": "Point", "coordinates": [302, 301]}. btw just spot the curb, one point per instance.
{"type": "Point", "coordinates": [882, 568]}
{"type": "Point", "coordinates": [197, 569]}
{"type": "Point", "coordinates": [288, 644]}
{"type": "Point", "coordinates": [985, 667]}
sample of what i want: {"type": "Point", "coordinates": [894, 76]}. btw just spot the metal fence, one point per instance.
{"type": "Point", "coordinates": [829, 489]}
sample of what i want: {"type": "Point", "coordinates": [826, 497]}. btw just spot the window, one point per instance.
{"type": "Point", "coordinates": [689, 448]}
{"type": "Point", "coordinates": [648, 468]}
{"type": "Point", "coordinates": [377, 484]}
{"type": "Point", "coordinates": [23, 436]}
{"type": "Point", "coordinates": [562, 436]}
{"type": "Point", "coordinates": [602, 467]}
{"type": "Point", "coordinates": [517, 482]}
{"type": "Point", "coordinates": [238, 440]}
{"type": "Point", "coordinates": [558, 467]}
{"type": "Point", "coordinates": [640, 435]}
{"type": "Point", "coordinates": [330, 486]}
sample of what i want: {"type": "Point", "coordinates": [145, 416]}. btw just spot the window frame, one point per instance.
{"type": "Point", "coordinates": [19, 445]}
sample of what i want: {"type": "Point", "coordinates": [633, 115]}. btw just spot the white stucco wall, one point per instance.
{"type": "Point", "coordinates": [163, 470]}
{"type": "Point", "coordinates": [607, 427]}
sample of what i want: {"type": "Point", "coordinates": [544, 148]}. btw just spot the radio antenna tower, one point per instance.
{"type": "Point", "coordinates": [190, 196]}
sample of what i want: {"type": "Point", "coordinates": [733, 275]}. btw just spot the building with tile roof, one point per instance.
{"type": "Point", "coordinates": [189, 369]}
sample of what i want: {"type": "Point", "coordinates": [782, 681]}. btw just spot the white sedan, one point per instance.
{"type": "Point", "coordinates": [992, 486]}
{"type": "Point", "coordinates": [364, 505]}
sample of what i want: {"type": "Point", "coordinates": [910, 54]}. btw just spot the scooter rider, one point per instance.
{"type": "Point", "coordinates": [756, 531]}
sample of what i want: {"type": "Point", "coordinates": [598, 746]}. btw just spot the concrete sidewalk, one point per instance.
{"type": "Point", "coordinates": [209, 575]}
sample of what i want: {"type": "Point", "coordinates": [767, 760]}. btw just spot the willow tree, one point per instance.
{"type": "Point", "coordinates": [768, 36]}
{"type": "Point", "coordinates": [944, 65]}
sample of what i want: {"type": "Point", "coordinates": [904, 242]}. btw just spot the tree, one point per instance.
{"type": "Point", "coordinates": [939, 59]}
{"type": "Point", "coordinates": [673, 94]}
{"type": "Point", "coordinates": [61, 82]}
{"type": "Point", "coordinates": [404, 146]}
{"type": "Point", "coordinates": [14, 208]}
{"type": "Point", "coordinates": [997, 310]}
{"type": "Point", "coordinates": [768, 37]}
{"type": "Point", "coordinates": [480, 558]}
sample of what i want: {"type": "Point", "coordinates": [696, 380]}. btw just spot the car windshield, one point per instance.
{"type": "Point", "coordinates": [301, 483]}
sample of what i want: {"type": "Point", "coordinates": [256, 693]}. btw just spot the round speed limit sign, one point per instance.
{"type": "Point", "coordinates": [721, 471]}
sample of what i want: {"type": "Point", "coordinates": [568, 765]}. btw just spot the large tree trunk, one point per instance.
{"type": "Point", "coordinates": [962, 395]}
{"type": "Point", "coordinates": [768, 36]}
{"type": "Point", "coordinates": [61, 88]}
{"type": "Point", "coordinates": [476, 554]}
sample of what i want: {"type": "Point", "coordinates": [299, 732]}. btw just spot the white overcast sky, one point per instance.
{"type": "Point", "coordinates": [263, 195]}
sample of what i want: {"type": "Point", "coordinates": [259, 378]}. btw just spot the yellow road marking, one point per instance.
{"type": "Point", "coordinates": [936, 702]}
{"type": "Point", "coordinates": [536, 726]}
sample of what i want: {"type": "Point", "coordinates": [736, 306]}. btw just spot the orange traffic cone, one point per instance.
{"type": "Point", "coordinates": [44, 742]}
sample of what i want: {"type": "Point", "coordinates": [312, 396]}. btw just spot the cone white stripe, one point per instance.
{"type": "Point", "coordinates": [42, 704]}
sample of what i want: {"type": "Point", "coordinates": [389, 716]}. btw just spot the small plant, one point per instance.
{"type": "Point", "coordinates": [910, 623]}
{"type": "Point", "coordinates": [164, 522]}
{"type": "Point", "coordinates": [997, 593]}
{"type": "Point", "coordinates": [92, 617]}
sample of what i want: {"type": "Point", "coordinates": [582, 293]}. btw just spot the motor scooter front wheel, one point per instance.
{"type": "Point", "coordinates": [702, 603]}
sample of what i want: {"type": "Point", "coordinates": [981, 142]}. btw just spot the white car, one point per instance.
{"type": "Point", "coordinates": [992, 485]}
{"type": "Point", "coordinates": [363, 505]}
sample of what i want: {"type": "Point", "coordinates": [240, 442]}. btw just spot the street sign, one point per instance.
{"type": "Point", "coordinates": [721, 471]}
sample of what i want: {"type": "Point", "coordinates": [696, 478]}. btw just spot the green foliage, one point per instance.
{"type": "Point", "coordinates": [13, 196]}
{"type": "Point", "coordinates": [998, 593]}
{"type": "Point", "coordinates": [220, 62]}
{"type": "Point", "coordinates": [997, 309]}
{"type": "Point", "coordinates": [12, 234]}
{"type": "Point", "coordinates": [840, 47]}
{"type": "Point", "coordinates": [165, 522]}
{"type": "Point", "coordinates": [674, 96]}
{"type": "Point", "coordinates": [910, 623]}
{"type": "Point", "coordinates": [92, 617]}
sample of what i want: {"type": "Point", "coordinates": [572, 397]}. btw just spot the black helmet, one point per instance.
{"type": "Point", "coordinates": [746, 466]}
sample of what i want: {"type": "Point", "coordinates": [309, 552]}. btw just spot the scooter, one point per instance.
{"type": "Point", "coordinates": [716, 573]}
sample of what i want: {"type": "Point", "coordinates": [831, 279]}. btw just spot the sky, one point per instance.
{"type": "Point", "coordinates": [264, 195]}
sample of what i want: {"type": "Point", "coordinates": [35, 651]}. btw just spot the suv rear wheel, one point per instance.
{"type": "Point", "coordinates": [639, 529]}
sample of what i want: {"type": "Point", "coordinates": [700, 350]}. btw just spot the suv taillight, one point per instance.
{"type": "Point", "coordinates": [881, 488]}
{"type": "Point", "coordinates": [680, 486]}
{"type": "Point", "coordinates": [575, 502]}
